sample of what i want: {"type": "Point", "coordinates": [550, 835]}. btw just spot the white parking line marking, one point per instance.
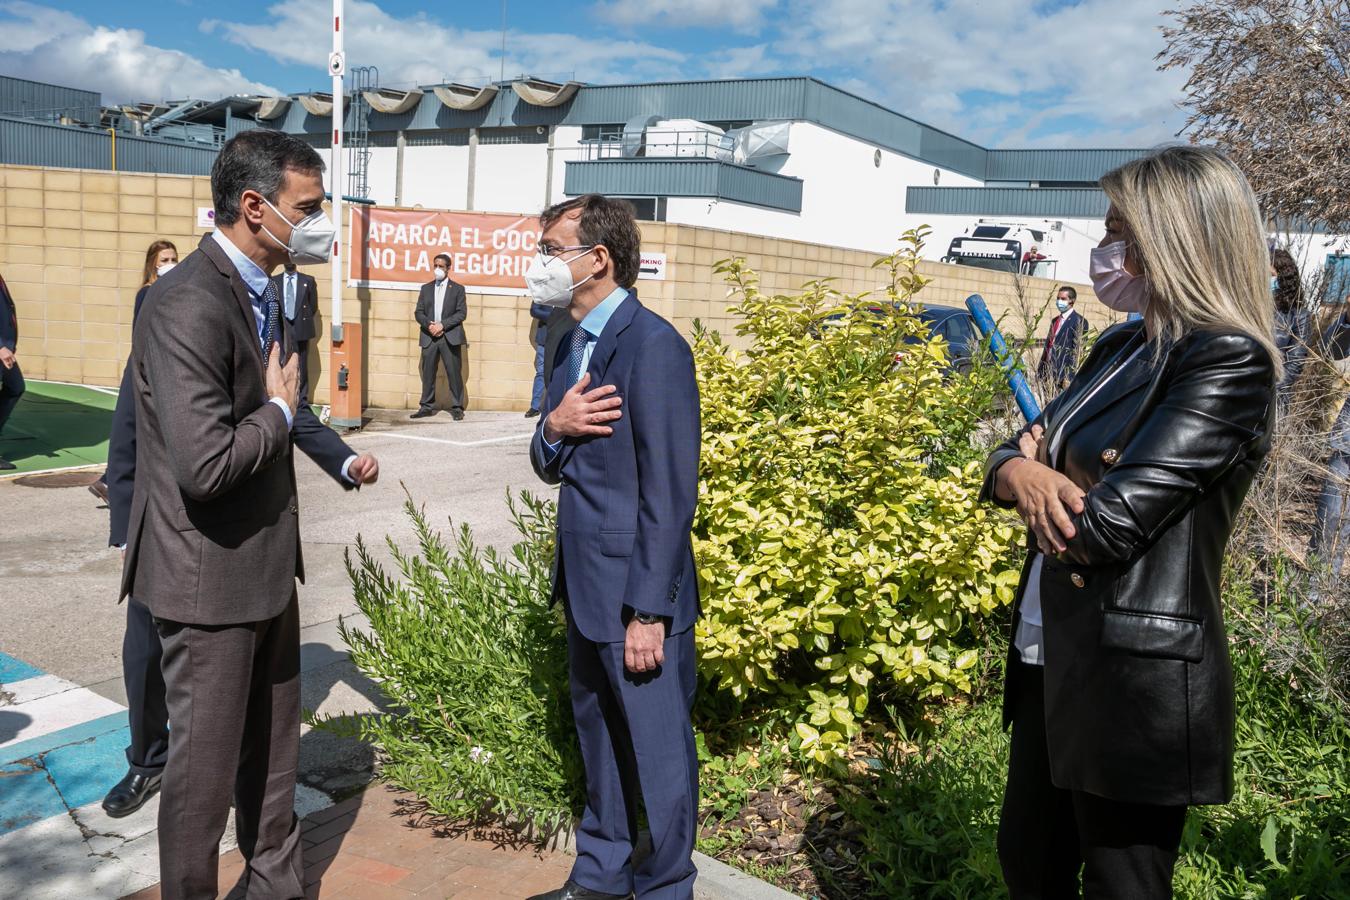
{"type": "Point", "coordinates": [432, 440]}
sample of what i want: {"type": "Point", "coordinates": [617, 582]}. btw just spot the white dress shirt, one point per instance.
{"type": "Point", "coordinates": [440, 298]}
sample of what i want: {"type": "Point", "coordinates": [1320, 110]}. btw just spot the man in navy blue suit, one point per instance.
{"type": "Point", "coordinates": [620, 432]}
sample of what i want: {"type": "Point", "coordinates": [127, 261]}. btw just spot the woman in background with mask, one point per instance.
{"type": "Point", "coordinates": [1119, 688]}
{"type": "Point", "coordinates": [160, 257]}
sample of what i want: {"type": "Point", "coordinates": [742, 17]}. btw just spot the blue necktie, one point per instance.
{"type": "Point", "coordinates": [272, 317]}
{"type": "Point", "coordinates": [579, 339]}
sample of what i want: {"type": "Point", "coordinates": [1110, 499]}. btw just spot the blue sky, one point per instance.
{"type": "Point", "coordinates": [1076, 73]}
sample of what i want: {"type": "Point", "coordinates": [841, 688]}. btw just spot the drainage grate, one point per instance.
{"type": "Point", "coordinates": [59, 480]}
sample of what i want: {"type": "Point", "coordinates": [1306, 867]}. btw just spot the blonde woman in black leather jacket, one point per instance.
{"type": "Point", "coordinates": [1119, 687]}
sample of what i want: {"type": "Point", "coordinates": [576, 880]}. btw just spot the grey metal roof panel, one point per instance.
{"type": "Point", "coordinates": [1069, 203]}
{"type": "Point", "coordinates": [683, 178]}
{"type": "Point", "coordinates": [27, 143]}
{"type": "Point", "coordinates": [21, 97]}
{"type": "Point", "coordinates": [1055, 165]}
{"type": "Point", "coordinates": [793, 98]}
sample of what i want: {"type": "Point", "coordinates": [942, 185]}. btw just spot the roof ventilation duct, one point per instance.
{"type": "Point", "coordinates": [273, 108]}
{"type": "Point", "coordinates": [761, 145]}
{"type": "Point", "coordinates": [392, 102]}
{"type": "Point", "coordinates": [465, 97]}
{"type": "Point", "coordinates": [634, 135]}
{"type": "Point", "coordinates": [537, 92]}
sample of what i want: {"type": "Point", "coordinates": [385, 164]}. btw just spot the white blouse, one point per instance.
{"type": "Point", "coordinates": [1029, 636]}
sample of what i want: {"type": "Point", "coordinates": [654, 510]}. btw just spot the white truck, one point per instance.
{"type": "Point", "coordinates": [1004, 247]}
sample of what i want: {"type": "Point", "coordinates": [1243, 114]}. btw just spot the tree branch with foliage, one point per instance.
{"type": "Point", "coordinates": [1269, 84]}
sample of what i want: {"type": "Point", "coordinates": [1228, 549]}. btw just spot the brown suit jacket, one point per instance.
{"type": "Point", "coordinates": [214, 537]}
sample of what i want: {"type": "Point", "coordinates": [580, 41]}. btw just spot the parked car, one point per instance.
{"type": "Point", "coordinates": [955, 326]}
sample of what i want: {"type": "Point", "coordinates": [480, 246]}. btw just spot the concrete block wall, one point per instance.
{"type": "Point", "coordinates": [72, 246]}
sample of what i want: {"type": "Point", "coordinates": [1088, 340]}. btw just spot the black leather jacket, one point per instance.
{"type": "Point", "coordinates": [1138, 683]}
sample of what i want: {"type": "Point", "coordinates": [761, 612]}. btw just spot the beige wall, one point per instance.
{"type": "Point", "coordinates": [72, 245]}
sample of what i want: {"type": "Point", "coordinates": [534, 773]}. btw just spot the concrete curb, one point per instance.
{"type": "Point", "coordinates": [719, 881]}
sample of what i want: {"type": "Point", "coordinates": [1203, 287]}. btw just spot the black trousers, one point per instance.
{"type": "Point", "coordinates": [147, 706]}
{"type": "Point", "coordinates": [448, 355]}
{"type": "Point", "coordinates": [234, 700]}
{"type": "Point", "coordinates": [1047, 834]}
{"type": "Point", "coordinates": [12, 387]}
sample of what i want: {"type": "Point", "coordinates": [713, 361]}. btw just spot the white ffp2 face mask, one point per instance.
{"type": "Point", "coordinates": [311, 238]}
{"type": "Point", "coordinates": [164, 269]}
{"type": "Point", "coordinates": [550, 280]}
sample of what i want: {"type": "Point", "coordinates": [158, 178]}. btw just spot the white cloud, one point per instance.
{"type": "Point", "coordinates": [997, 72]}
{"type": "Point", "coordinates": [739, 62]}
{"type": "Point", "coordinates": [738, 15]}
{"type": "Point", "coordinates": [420, 49]}
{"type": "Point", "coordinates": [44, 44]}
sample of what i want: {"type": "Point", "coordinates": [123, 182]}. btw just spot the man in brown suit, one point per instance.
{"type": "Point", "coordinates": [213, 545]}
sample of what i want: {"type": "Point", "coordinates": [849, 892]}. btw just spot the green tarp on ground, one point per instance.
{"type": "Point", "coordinates": [57, 426]}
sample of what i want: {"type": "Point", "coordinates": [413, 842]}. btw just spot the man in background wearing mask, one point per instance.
{"type": "Point", "coordinates": [441, 311]}
{"type": "Point", "coordinates": [624, 564]}
{"type": "Point", "coordinates": [1063, 343]}
{"type": "Point", "coordinates": [214, 540]}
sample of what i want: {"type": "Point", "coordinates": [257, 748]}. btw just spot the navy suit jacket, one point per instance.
{"type": "Point", "coordinates": [306, 305]}
{"type": "Point", "coordinates": [319, 442]}
{"type": "Point", "coordinates": [9, 320]}
{"type": "Point", "coordinates": [1060, 359]}
{"type": "Point", "coordinates": [627, 501]}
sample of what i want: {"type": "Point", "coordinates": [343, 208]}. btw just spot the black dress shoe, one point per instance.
{"type": "Point", "coordinates": [458, 414]}
{"type": "Point", "coordinates": [574, 891]}
{"type": "Point", "coordinates": [422, 414]}
{"type": "Point", "coordinates": [531, 413]}
{"type": "Point", "coordinates": [130, 794]}
{"type": "Point", "coordinates": [6, 465]}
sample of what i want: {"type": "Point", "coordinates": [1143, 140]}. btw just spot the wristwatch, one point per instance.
{"type": "Point", "coordinates": [648, 618]}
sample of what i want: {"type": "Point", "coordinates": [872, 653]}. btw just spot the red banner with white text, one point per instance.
{"type": "Point", "coordinates": [395, 248]}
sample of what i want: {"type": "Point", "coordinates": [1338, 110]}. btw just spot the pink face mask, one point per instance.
{"type": "Point", "coordinates": [1114, 286]}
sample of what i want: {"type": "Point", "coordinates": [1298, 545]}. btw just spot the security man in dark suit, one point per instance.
{"type": "Point", "coordinates": [441, 310]}
{"type": "Point", "coordinates": [11, 378]}
{"type": "Point", "coordinates": [620, 432]}
{"type": "Point", "coordinates": [213, 545]}
{"type": "Point", "coordinates": [299, 301]}
{"type": "Point", "coordinates": [1064, 342]}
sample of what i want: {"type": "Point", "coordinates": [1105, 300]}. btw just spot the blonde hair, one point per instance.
{"type": "Point", "coordinates": [1197, 233]}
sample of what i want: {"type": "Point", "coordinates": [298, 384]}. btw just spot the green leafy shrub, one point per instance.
{"type": "Point", "coordinates": [474, 661]}
{"type": "Point", "coordinates": [844, 558]}
{"type": "Point", "coordinates": [930, 818]}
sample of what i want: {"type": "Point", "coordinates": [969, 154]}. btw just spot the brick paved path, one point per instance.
{"type": "Point", "coordinates": [371, 848]}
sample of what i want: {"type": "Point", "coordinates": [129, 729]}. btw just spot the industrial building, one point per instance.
{"type": "Point", "coordinates": [790, 158]}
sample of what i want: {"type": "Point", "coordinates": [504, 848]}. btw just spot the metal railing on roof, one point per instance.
{"type": "Point", "coordinates": [102, 118]}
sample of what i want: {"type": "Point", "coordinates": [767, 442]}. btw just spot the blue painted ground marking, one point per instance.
{"type": "Point", "coordinates": [51, 774]}
{"type": "Point", "coordinates": [12, 669]}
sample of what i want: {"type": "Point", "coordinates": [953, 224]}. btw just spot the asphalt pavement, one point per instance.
{"type": "Point", "coordinates": [62, 716]}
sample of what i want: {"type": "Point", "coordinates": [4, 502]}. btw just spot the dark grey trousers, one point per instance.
{"type": "Point", "coordinates": [234, 701]}
{"type": "Point", "coordinates": [449, 355]}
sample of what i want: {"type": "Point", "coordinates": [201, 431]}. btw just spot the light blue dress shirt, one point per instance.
{"type": "Point", "coordinates": [255, 279]}
{"type": "Point", "coordinates": [594, 325]}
